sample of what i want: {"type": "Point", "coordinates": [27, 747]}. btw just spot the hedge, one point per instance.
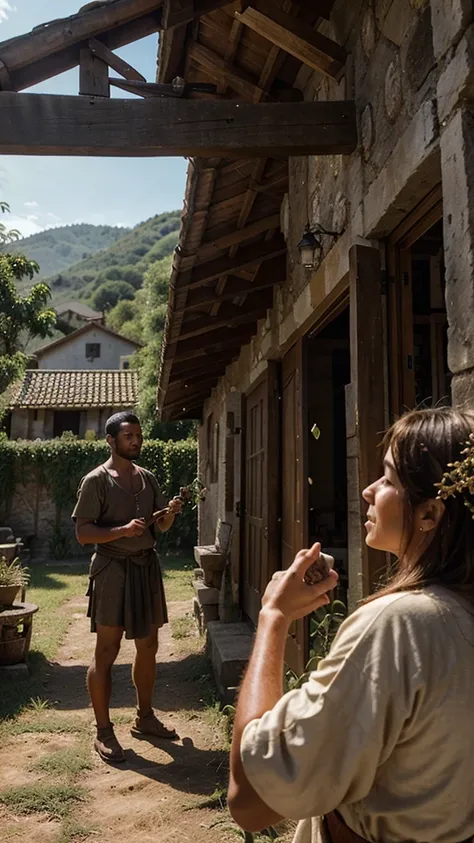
{"type": "Point", "coordinates": [58, 466]}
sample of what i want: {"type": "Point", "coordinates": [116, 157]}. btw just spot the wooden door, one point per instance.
{"type": "Point", "coordinates": [365, 413]}
{"type": "Point", "coordinates": [262, 490]}
{"type": "Point", "coordinates": [294, 489]}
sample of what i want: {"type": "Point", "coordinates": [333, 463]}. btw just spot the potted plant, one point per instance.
{"type": "Point", "coordinates": [13, 576]}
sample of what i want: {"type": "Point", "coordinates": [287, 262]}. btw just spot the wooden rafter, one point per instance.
{"type": "Point", "coordinates": [179, 12]}
{"type": "Point", "coordinates": [58, 62]}
{"type": "Point", "coordinates": [236, 237]}
{"type": "Point", "coordinates": [248, 256]}
{"type": "Point", "coordinates": [125, 69]}
{"type": "Point", "coordinates": [60, 34]}
{"type": "Point", "coordinates": [295, 37]}
{"type": "Point", "coordinates": [40, 124]}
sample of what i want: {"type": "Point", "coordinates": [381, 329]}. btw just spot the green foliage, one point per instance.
{"type": "Point", "coordinates": [108, 294]}
{"type": "Point", "coordinates": [124, 311]}
{"type": "Point", "coordinates": [125, 260]}
{"type": "Point", "coordinates": [58, 465]}
{"type": "Point", "coordinates": [13, 573]}
{"type": "Point", "coordinates": [324, 625]}
{"type": "Point", "coordinates": [59, 248]}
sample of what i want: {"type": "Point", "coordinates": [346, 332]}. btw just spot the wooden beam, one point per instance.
{"type": "Point", "coordinates": [58, 35]}
{"type": "Point", "coordinates": [199, 364]}
{"type": "Point", "coordinates": [59, 62]}
{"type": "Point", "coordinates": [126, 70]}
{"type": "Point", "coordinates": [248, 256]}
{"type": "Point", "coordinates": [270, 273]}
{"type": "Point", "coordinates": [41, 124]}
{"type": "Point", "coordinates": [221, 341]}
{"type": "Point", "coordinates": [234, 78]}
{"type": "Point", "coordinates": [291, 35]}
{"type": "Point", "coordinates": [229, 317]}
{"type": "Point", "coordinates": [93, 75]}
{"type": "Point", "coordinates": [236, 237]}
{"type": "Point", "coordinates": [179, 12]}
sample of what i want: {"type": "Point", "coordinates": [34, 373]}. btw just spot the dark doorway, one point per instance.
{"type": "Point", "coordinates": [66, 420]}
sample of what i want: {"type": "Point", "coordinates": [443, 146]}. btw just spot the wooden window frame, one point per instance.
{"type": "Point", "coordinates": [399, 294]}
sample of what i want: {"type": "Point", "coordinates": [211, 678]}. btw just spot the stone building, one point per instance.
{"type": "Point", "coordinates": [296, 355]}
{"type": "Point", "coordinates": [45, 404]}
{"type": "Point", "coordinates": [92, 346]}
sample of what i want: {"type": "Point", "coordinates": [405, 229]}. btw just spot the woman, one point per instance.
{"type": "Point", "coordinates": [380, 741]}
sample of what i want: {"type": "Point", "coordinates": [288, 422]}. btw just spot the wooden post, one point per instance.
{"type": "Point", "coordinates": [365, 413]}
{"type": "Point", "coordinates": [93, 75]}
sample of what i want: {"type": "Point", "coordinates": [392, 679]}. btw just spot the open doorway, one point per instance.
{"type": "Point", "coordinates": [328, 371]}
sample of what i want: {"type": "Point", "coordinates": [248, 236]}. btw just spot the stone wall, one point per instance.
{"type": "Point", "coordinates": [410, 73]}
{"type": "Point", "coordinates": [33, 516]}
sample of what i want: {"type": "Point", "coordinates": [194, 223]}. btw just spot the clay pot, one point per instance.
{"type": "Point", "coordinates": [8, 594]}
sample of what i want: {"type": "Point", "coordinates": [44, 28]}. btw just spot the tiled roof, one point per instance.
{"type": "Point", "coordinates": [79, 308]}
{"type": "Point", "coordinates": [63, 389]}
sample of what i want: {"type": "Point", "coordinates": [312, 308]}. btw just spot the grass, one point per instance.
{"type": "Point", "coordinates": [177, 577]}
{"type": "Point", "coordinates": [73, 832]}
{"type": "Point", "coordinates": [64, 762]}
{"type": "Point", "coordinates": [184, 627]}
{"type": "Point", "coordinates": [54, 800]}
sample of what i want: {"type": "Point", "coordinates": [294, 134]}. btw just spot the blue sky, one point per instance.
{"type": "Point", "coordinates": [43, 192]}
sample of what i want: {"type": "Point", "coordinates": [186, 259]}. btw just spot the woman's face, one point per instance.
{"type": "Point", "coordinates": [385, 515]}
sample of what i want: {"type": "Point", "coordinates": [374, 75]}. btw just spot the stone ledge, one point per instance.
{"type": "Point", "coordinates": [229, 646]}
{"type": "Point", "coordinates": [206, 595]}
{"type": "Point", "coordinates": [209, 558]}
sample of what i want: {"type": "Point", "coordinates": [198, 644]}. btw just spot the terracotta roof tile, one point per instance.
{"type": "Point", "coordinates": [67, 389]}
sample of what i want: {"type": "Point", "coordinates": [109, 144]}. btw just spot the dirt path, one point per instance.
{"type": "Point", "coordinates": [166, 792]}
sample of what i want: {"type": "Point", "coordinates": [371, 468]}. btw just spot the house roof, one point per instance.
{"type": "Point", "coordinates": [84, 329]}
{"type": "Point", "coordinates": [231, 253]}
{"type": "Point", "coordinates": [46, 388]}
{"type": "Point", "coordinates": [79, 308]}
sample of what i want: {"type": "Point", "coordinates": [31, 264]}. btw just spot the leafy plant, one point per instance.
{"type": "Point", "coordinates": [59, 543]}
{"type": "Point", "coordinates": [324, 625]}
{"type": "Point", "coordinates": [13, 573]}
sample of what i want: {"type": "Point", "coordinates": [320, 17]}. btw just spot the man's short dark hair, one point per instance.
{"type": "Point", "coordinates": [115, 422]}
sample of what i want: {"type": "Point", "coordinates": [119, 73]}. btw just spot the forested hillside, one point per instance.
{"type": "Point", "coordinates": [117, 272]}
{"type": "Point", "coordinates": [58, 248]}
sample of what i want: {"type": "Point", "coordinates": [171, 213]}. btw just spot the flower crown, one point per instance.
{"type": "Point", "coordinates": [459, 479]}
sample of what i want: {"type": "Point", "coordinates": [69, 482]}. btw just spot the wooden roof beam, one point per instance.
{"type": "Point", "coordinates": [240, 236]}
{"type": "Point", "coordinates": [222, 340]}
{"type": "Point", "coordinates": [233, 316]}
{"type": "Point", "coordinates": [198, 366]}
{"type": "Point", "coordinates": [253, 254]}
{"type": "Point", "coordinates": [178, 12]}
{"type": "Point", "coordinates": [295, 37]}
{"type": "Point", "coordinates": [41, 124]}
{"type": "Point", "coordinates": [58, 35]}
{"type": "Point", "coordinates": [59, 62]}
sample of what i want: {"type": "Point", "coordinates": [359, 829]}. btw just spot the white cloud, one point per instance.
{"type": "Point", "coordinates": [53, 216]}
{"type": "Point", "coordinates": [5, 8]}
{"type": "Point", "coordinates": [31, 205]}
{"type": "Point", "coordinates": [23, 225]}
{"type": "Point", "coordinates": [33, 217]}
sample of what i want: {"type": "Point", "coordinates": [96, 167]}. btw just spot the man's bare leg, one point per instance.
{"type": "Point", "coordinates": [99, 685]}
{"type": "Point", "coordinates": [143, 674]}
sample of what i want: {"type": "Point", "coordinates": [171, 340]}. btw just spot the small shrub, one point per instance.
{"type": "Point", "coordinates": [13, 573]}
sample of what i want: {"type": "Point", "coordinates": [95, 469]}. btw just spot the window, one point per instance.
{"type": "Point", "coordinates": [92, 350]}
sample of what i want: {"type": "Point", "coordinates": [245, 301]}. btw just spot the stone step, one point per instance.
{"type": "Point", "coordinates": [230, 645]}
{"type": "Point", "coordinates": [206, 595]}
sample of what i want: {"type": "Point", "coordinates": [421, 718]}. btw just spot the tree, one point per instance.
{"type": "Point", "coordinates": [108, 294]}
{"type": "Point", "coordinates": [19, 315]}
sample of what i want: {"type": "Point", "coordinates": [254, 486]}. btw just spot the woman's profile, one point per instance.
{"type": "Point", "coordinates": [378, 745]}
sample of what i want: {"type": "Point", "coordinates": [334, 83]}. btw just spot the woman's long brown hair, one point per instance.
{"type": "Point", "coordinates": [423, 442]}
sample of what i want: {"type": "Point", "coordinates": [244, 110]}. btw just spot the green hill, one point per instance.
{"type": "Point", "coordinates": [121, 266]}
{"type": "Point", "coordinates": [56, 249]}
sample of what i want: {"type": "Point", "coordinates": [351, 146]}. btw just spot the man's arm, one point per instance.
{"type": "Point", "coordinates": [175, 506]}
{"type": "Point", "coordinates": [87, 532]}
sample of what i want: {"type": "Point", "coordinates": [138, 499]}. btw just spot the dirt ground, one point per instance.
{"type": "Point", "coordinates": [166, 792]}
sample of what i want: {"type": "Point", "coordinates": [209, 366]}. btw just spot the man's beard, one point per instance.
{"type": "Point", "coordinates": [126, 455]}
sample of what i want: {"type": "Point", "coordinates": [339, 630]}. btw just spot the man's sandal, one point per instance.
{"type": "Point", "coordinates": [150, 725]}
{"type": "Point", "coordinates": [108, 747]}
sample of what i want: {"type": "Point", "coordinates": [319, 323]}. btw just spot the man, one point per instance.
{"type": "Point", "coordinates": [126, 592]}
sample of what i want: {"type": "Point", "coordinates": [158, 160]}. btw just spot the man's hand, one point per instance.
{"type": "Point", "coordinates": [288, 593]}
{"type": "Point", "coordinates": [135, 527]}
{"type": "Point", "coordinates": [175, 506]}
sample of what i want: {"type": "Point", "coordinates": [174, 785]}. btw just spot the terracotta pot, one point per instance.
{"type": "Point", "coordinates": [8, 594]}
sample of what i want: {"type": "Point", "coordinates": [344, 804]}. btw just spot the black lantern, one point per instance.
{"type": "Point", "coordinates": [311, 246]}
